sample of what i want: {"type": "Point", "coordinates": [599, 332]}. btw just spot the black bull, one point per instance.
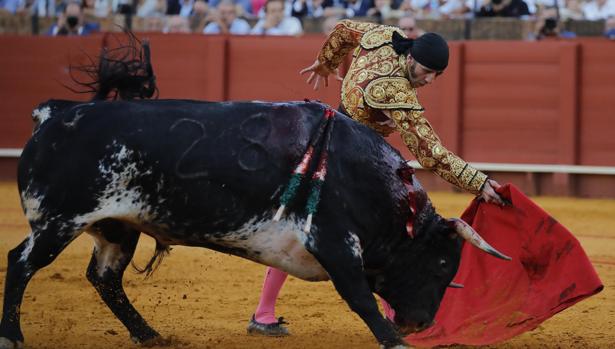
{"type": "Point", "coordinates": [211, 175]}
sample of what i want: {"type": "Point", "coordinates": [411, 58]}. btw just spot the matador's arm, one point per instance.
{"type": "Point", "coordinates": [345, 37]}
{"type": "Point", "coordinates": [422, 141]}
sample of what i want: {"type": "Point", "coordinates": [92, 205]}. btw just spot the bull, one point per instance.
{"type": "Point", "coordinates": [211, 175]}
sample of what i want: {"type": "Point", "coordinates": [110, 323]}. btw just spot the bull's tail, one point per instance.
{"type": "Point", "coordinates": [161, 251]}
{"type": "Point", "coordinates": [124, 73]}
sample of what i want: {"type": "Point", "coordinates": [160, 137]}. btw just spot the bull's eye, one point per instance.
{"type": "Point", "coordinates": [443, 262]}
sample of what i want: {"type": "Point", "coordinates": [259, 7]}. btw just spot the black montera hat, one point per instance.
{"type": "Point", "coordinates": [429, 49]}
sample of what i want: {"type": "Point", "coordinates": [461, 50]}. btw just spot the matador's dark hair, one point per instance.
{"type": "Point", "coordinates": [429, 49]}
{"type": "Point", "coordinates": [401, 45]}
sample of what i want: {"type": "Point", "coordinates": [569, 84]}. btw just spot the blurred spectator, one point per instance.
{"type": "Point", "coordinates": [96, 8]}
{"type": "Point", "coordinates": [154, 24]}
{"type": "Point", "coordinates": [244, 7]}
{"type": "Point", "coordinates": [152, 8]}
{"type": "Point", "coordinates": [572, 10]}
{"type": "Point", "coordinates": [548, 26]}
{"type": "Point", "coordinates": [257, 6]}
{"type": "Point", "coordinates": [408, 25]}
{"type": "Point", "coordinates": [276, 22]}
{"type": "Point", "coordinates": [609, 28]}
{"type": "Point", "coordinates": [71, 22]}
{"type": "Point", "coordinates": [179, 7]}
{"type": "Point", "coordinates": [310, 8]}
{"type": "Point", "coordinates": [199, 17]}
{"type": "Point", "coordinates": [503, 8]}
{"type": "Point", "coordinates": [349, 8]}
{"type": "Point", "coordinates": [124, 6]}
{"type": "Point", "coordinates": [599, 9]}
{"type": "Point", "coordinates": [225, 21]}
{"type": "Point", "coordinates": [43, 8]}
{"type": "Point", "coordinates": [329, 24]}
{"type": "Point", "coordinates": [177, 24]}
{"type": "Point", "coordinates": [453, 8]}
{"type": "Point", "coordinates": [12, 6]}
{"type": "Point", "coordinates": [423, 8]}
{"type": "Point", "coordinates": [382, 10]}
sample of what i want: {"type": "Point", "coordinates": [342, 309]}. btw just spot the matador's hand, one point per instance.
{"type": "Point", "coordinates": [319, 71]}
{"type": "Point", "coordinates": [489, 195]}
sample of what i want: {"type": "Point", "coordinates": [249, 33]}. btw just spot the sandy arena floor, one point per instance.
{"type": "Point", "coordinates": [204, 299]}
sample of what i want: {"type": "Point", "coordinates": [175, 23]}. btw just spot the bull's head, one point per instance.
{"type": "Point", "coordinates": [420, 270]}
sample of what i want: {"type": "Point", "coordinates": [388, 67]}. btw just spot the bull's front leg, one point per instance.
{"type": "Point", "coordinates": [343, 262]}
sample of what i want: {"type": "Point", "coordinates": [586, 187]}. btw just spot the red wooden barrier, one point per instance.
{"type": "Point", "coordinates": [508, 102]}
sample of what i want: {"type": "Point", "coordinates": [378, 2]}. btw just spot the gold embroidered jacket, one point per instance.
{"type": "Point", "coordinates": [377, 92]}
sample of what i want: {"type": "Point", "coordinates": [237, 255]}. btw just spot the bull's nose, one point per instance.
{"type": "Point", "coordinates": [415, 322]}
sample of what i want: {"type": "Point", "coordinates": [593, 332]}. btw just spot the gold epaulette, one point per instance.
{"type": "Point", "coordinates": [379, 36]}
{"type": "Point", "coordinates": [391, 93]}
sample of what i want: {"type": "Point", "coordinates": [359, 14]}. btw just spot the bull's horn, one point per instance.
{"type": "Point", "coordinates": [455, 285]}
{"type": "Point", "coordinates": [469, 234]}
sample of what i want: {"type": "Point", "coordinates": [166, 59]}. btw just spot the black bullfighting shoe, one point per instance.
{"type": "Point", "coordinates": [272, 330]}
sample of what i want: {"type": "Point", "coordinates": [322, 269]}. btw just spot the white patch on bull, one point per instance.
{"type": "Point", "coordinates": [108, 255]}
{"type": "Point", "coordinates": [355, 245]}
{"type": "Point", "coordinates": [28, 248]}
{"type": "Point", "coordinates": [118, 200]}
{"type": "Point", "coordinates": [41, 115]}
{"type": "Point", "coordinates": [31, 205]}
{"type": "Point", "coordinates": [279, 244]}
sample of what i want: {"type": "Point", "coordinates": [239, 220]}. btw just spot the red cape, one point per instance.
{"type": "Point", "coordinates": [549, 272]}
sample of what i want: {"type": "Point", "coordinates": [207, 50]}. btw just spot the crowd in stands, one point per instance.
{"type": "Point", "coordinates": [284, 17]}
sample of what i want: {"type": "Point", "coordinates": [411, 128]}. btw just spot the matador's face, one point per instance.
{"type": "Point", "coordinates": [420, 75]}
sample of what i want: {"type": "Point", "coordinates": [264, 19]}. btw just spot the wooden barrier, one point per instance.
{"type": "Point", "coordinates": [499, 102]}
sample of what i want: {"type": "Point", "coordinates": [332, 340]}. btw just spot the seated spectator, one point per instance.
{"type": "Point", "coordinates": [349, 8]}
{"type": "Point", "coordinates": [13, 6]}
{"type": "Point", "coordinates": [124, 7]}
{"type": "Point", "coordinates": [225, 20]}
{"type": "Point", "coordinates": [453, 8]}
{"type": "Point", "coordinates": [609, 28]}
{"type": "Point", "coordinates": [310, 8]}
{"type": "Point", "coordinates": [595, 10]}
{"type": "Point", "coordinates": [45, 8]}
{"type": "Point", "coordinates": [328, 25]}
{"type": "Point", "coordinates": [244, 7]}
{"type": "Point", "coordinates": [572, 10]}
{"type": "Point", "coordinates": [422, 8]}
{"type": "Point", "coordinates": [199, 16]}
{"type": "Point", "coordinates": [276, 22]}
{"type": "Point", "coordinates": [408, 25]}
{"type": "Point", "coordinates": [154, 24]}
{"type": "Point", "coordinates": [152, 8]}
{"type": "Point", "coordinates": [548, 26]}
{"type": "Point", "coordinates": [503, 8]}
{"type": "Point", "coordinates": [177, 24]}
{"type": "Point", "coordinates": [71, 22]}
{"type": "Point", "coordinates": [382, 10]}
{"type": "Point", "coordinates": [179, 7]}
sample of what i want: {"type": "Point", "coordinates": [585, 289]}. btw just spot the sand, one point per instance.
{"type": "Point", "coordinates": [204, 299]}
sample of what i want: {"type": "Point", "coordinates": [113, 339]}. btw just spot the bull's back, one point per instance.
{"type": "Point", "coordinates": [185, 152]}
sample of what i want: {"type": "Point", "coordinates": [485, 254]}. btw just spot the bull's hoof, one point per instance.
{"type": "Point", "coordinates": [397, 346]}
{"type": "Point", "coordinates": [6, 343]}
{"type": "Point", "coordinates": [271, 330]}
{"type": "Point", "coordinates": [157, 341]}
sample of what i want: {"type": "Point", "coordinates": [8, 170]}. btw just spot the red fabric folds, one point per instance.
{"type": "Point", "coordinates": [549, 273]}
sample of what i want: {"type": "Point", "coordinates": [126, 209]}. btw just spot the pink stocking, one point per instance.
{"type": "Point", "coordinates": [388, 311]}
{"type": "Point", "coordinates": [265, 312]}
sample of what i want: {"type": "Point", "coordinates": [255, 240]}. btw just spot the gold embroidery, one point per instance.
{"type": "Point", "coordinates": [379, 36]}
{"type": "Point", "coordinates": [418, 135]}
{"type": "Point", "coordinates": [393, 87]}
